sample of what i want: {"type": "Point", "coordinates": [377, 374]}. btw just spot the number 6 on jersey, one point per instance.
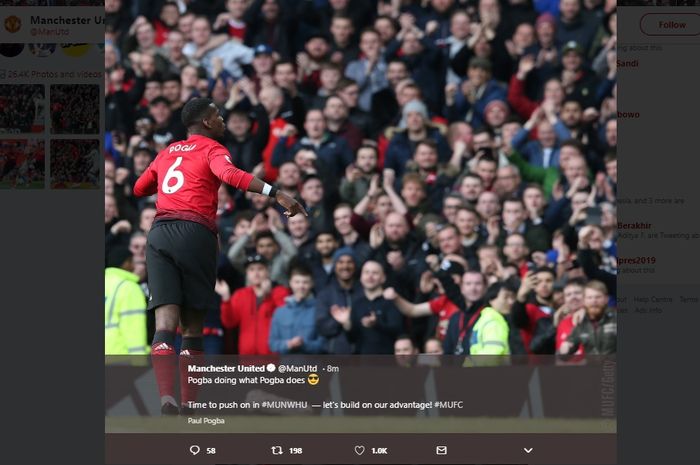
{"type": "Point", "coordinates": [173, 173]}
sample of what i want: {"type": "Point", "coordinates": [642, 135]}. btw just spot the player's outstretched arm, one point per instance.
{"type": "Point", "coordinates": [291, 206]}
{"type": "Point", "coordinates": [221, 165]}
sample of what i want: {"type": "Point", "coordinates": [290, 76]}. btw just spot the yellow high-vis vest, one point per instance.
{"type": "Point", "coordinates": [125, 314]}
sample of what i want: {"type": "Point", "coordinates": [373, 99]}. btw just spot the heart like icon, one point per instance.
{"type": "Point", "coordinates": [359, 450]}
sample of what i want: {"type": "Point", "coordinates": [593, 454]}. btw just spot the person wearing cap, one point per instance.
{"type": "Point", "coordinates": [578, 80]}
{"type": "Point", "coordinates": [440, 308]}
{"type": "Point", "coordinates": [341, 291]}
{"type": "Point", "coordinates": [403, 143]}
{"type": "Point", "coordinates": [125, 306]}
{"type": "Point", "coordinates": [250, 309]}
{"type": "Point", "coordinates": [467, 100]}
{"type": "Point", "coordinates": [263, 61]}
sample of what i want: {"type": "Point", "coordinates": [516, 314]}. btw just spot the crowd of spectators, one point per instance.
{"type": "Point", "coordinates": [21, 108]}
{"type": "Point", "coordinates": [75, 163]}
{"type": "Point", "coordinates": [75, 109]}
{"type": "Point", "coordinates": [457, 160]}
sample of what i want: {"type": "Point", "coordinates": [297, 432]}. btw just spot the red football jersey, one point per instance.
{"type": "Point", "coordinates": [444, 309]}
{"type": "Point", "coordinates": [187, 175]}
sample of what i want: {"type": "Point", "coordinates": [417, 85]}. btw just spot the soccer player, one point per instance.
{"type": "Point", "coordinates": [182, 243]}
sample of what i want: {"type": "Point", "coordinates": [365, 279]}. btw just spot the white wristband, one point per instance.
{"type": "Point", "coordinates": [266, 189]}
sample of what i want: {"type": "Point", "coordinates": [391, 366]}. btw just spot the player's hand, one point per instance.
{"type": "Point", "coordinates": [291, 206]}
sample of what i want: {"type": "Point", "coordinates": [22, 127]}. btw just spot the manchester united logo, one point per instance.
{"type": "Point", "coordinates": [12, 24]}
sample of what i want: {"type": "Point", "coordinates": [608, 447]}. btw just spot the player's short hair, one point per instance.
{"type": "Point", "coordinates": [193, 112]}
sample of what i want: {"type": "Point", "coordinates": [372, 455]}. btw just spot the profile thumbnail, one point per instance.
{"type": "Point", "coordinates": [75, 164]}
{"type": "Point", "coordinates": [22, 108]}
{"type": "Point", "coordinates": [75, 109]}
{"type": "Point", "coordinates": [22, 164]}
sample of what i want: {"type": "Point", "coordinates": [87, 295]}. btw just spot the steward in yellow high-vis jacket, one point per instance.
{"type": "Point", "coordinates": [479, 329]}
{"type": "Point", "coordinates": [125, 307]}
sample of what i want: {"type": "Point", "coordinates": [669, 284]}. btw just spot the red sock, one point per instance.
{"type": "Point", "coordinates": [188, 391]}
{"type": "Point", "coordinates": [163, 359]}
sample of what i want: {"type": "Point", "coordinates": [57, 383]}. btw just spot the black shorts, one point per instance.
{"type": "Point", "coordinates": [181, 264]}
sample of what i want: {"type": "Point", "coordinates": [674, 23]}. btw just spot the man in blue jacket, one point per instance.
{"type": "Point", "coordinates": [293, 327]}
